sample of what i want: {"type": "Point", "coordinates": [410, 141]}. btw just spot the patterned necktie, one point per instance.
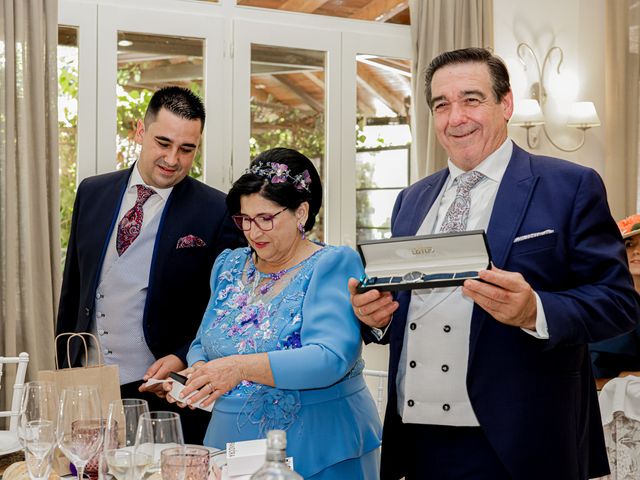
{"type": "Point", "coordinates": [456, 218]}
{"type": "Point", "coordinates": [131, 223]}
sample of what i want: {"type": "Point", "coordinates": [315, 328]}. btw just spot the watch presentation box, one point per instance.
{"type": "Point", "coordinates": [425, 261]}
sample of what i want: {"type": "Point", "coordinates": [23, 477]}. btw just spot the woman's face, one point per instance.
{"type": "Point", "coordinates": [633, 254]}
{"type": "Point", "coordinates": [279, 244]}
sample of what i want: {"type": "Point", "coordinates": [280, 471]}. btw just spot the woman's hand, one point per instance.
{"type": "Point", "coordinates": [214, 378]}
{"type": "Point", "coordinates": [168, 386]}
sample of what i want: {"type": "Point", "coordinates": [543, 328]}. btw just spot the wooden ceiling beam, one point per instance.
{"type": "Point", "coordinates": [302, 6]}
{"type": "Point", "coordinates": [381, 10]}
{"type": "Point", "coordinates": [368, 78]}
{"type": "Point", "coordinates": [300, 93]}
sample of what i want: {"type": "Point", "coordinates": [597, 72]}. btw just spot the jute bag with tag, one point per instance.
{"type": "Point", "coordinates": [105, 377]}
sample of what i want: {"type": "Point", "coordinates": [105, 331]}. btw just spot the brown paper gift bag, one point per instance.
{"type": "Point", "coordinates": [105, 377]}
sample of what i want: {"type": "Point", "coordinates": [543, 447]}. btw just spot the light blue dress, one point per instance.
{"type": "Point", "coordinates": [303, 318]}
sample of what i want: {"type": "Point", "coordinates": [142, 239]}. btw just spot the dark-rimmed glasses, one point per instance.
{"type": "Point", "coordinates": [264, 221]}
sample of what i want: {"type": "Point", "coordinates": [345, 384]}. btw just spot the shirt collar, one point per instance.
{"type": "Point", "coordinates": [493, 167]}
{"type": "Point", "coordinates": [136, 179]}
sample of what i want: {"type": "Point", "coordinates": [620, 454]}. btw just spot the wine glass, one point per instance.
{"type": "Point", "coordinates": [39, 441]}
{"type": "Point", "coordinates": [40, 401]}
{"type": "Point", "coordinates": [80, 425]}
{"type": "Point", "coordinates": [120, 437]}
{"type": "Point", "coordinates": [157, 431]}
{"type": "Point", "coordinates": [36, 426]}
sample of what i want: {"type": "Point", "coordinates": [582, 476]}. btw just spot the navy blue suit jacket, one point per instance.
{"type": "Point", "coordinates": [178, 289]}
{"type": "Point", "coordinates": [535, 399]}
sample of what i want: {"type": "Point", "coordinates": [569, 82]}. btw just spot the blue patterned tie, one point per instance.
{"type": "Point", "coordinates": [456, 218]}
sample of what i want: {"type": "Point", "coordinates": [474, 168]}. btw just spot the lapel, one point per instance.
{"type": "Point", "coordinates": [511, 204]}
{"type": "Point", "coordinates": [112, 199]}
{"type": "Point", "coordinates": [425, 199]}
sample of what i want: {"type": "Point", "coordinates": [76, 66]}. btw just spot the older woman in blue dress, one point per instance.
{"type": "Point", "coordinates": [279, 346]}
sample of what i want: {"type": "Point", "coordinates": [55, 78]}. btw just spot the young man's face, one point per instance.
{"type": "Point", "coordinates": [169, 145]}
{"type": "Point", "coordinates": [470, 124]}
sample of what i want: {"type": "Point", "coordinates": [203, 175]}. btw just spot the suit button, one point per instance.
{"type": "Point", "coordinates": [99, 296]}
{"type": "Point", "coordinates": [446, 407]}
{"type": "Point", "coordinates": [410, 403]}
{"type": "Point", "coordinates": [445, 368]}
{"type": "Point", "coordinates": [412, 364]}
{"type": "Point", "coordinates": [446, 328]}
{"type": "Point", "coordinates": [100, 332]}
{"type": "Point", "coordinates": [86, 311]}
{"type": "Point", "coordinates": [412, 326]}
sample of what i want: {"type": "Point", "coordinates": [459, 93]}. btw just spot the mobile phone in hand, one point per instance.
{"type": "Point", "coordinates": [178, 378]}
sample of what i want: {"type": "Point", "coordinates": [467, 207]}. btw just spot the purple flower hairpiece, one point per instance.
{"type": "Point", "coordinates": [279, 173]}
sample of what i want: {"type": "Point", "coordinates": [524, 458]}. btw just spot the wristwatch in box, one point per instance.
{"type": "Point", "coordinates": [424, 261]}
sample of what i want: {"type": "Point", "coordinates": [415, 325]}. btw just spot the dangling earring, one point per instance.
{"type": "Point", "coordinates": [301, 230]}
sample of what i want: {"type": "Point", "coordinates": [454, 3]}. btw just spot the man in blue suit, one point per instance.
{"type": "Point", "coordinates": [141, 248]}
{"type": "Point", "coordinates": [492, 380]}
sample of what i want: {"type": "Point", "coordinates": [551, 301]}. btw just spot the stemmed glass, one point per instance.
{"type": "Point", "coordinates": [157, 431]}
{"type": "Point", "coordinates": [120, 437]}
{"type": "Point", "coordinates": [37, 426]}
{"type": "Point", "coordinates": [39, 440]}
{"type": "Point", "coordinates": [80, 425]}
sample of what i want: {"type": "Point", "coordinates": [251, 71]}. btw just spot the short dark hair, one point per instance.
{"type": "Point", "coordinates": [285, 193]}
{"type": "Point", "coordinates": [179, 101]}
{"type": "Point", "coordinates": [497, 69]}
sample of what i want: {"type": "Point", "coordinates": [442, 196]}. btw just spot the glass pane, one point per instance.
{"type": "Point", "coordinates": [288, 105]}
{"type": "Point", "coordinates": [374, 209]}
{"type": "Point", "coordinates": [383, 141]}
{"type": "Point", "coordinates": [145, 64]}
{"type": "Point", "coordinates": [390, 11]}
{"type": "Point", "coordinates": [67, 126]}
{"type": "Point", "coordinates": [383, 168]}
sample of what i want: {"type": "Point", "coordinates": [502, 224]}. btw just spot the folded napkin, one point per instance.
{"type": "Point", "coordinates": [621, 394]}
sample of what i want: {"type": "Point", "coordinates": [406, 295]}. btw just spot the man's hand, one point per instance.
{"type": "Point", "coordinates": [506, 296]}
{"type": "Point", "coordinates": [160, 370]}
{"type": "Point", "coordinates": [373, 308]}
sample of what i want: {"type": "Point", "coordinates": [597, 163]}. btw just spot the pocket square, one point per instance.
{"type": "Point", "coordinates": [533, 235]}
{"type": "Point", "coordinates": [190, 241]}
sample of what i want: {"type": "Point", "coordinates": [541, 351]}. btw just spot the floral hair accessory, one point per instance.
{"type": "Point", "coordinates": [279, 173]}
{"type": "Point", "coordinates": [630, 226]}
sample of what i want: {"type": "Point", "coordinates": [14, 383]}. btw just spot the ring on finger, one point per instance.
{"type": "Point", "coordinates": [360, 312]}
{"type": "Point", "coordinates": [211, 387]}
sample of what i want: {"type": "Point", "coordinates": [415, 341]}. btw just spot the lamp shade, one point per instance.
{"type": "Point", "coordinates": [583, 115]}
{"type": "Point", "coordinates": [527, 113]}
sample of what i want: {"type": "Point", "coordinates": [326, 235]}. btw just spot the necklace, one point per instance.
{"type": "Point", "coordinates": [255, 276]}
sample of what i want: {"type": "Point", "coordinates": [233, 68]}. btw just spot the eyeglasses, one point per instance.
{"type": "Point", "coordinates": [264, 221]}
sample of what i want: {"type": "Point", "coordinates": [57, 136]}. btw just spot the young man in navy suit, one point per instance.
{"type": "Point", "coordinates": [492, 380]}
{"type": "Point", "coordinates": [141, 248]}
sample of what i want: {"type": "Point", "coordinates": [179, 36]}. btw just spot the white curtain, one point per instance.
{"type": "Point", "coordinates": [622, 102]}
{"type": "Point", "coordinates": [438, 26]}
{"type": "Point", "coordinates": [29, 231]}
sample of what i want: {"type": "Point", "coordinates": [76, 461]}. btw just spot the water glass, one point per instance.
{"type": "Point", "coordinates": [40, 401]}
{"type": "Point", "coordinates": [122, 422]}
{"type": "Point", "coordinates": [185, 463]}
{"type": "Point", "coordinates": [157, 431]}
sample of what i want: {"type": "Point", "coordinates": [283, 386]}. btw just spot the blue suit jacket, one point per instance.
{"type": "Point", "coordinates": [535, 399]}
{"type": "Point", "coordinates": [178, 289]}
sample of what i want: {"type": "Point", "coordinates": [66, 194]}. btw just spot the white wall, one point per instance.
{"type": "Point", "coordinates": [577, 26]}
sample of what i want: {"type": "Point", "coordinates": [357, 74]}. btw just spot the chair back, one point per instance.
{"type": "Point", "coordinates": [378, 392]}
{"type": "Point", "coordinates": [22, 361]}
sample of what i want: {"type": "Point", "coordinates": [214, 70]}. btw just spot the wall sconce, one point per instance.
{"type": "Point", "coordinates": [529, 113]}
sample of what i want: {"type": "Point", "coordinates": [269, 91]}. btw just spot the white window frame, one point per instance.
{"type": "Point", "coordinates": [228, 31]}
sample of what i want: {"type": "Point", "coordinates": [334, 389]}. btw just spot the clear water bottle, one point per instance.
{"type": "Point", "coordinates": [275, 466]}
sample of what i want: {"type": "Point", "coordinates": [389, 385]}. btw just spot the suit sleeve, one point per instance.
{"type": "Point", "coordinates": [604, 303]}
{"type": "Point", "coordinates": [330, 333]}
{"type": "Point", "coordinates": [70, 292]}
